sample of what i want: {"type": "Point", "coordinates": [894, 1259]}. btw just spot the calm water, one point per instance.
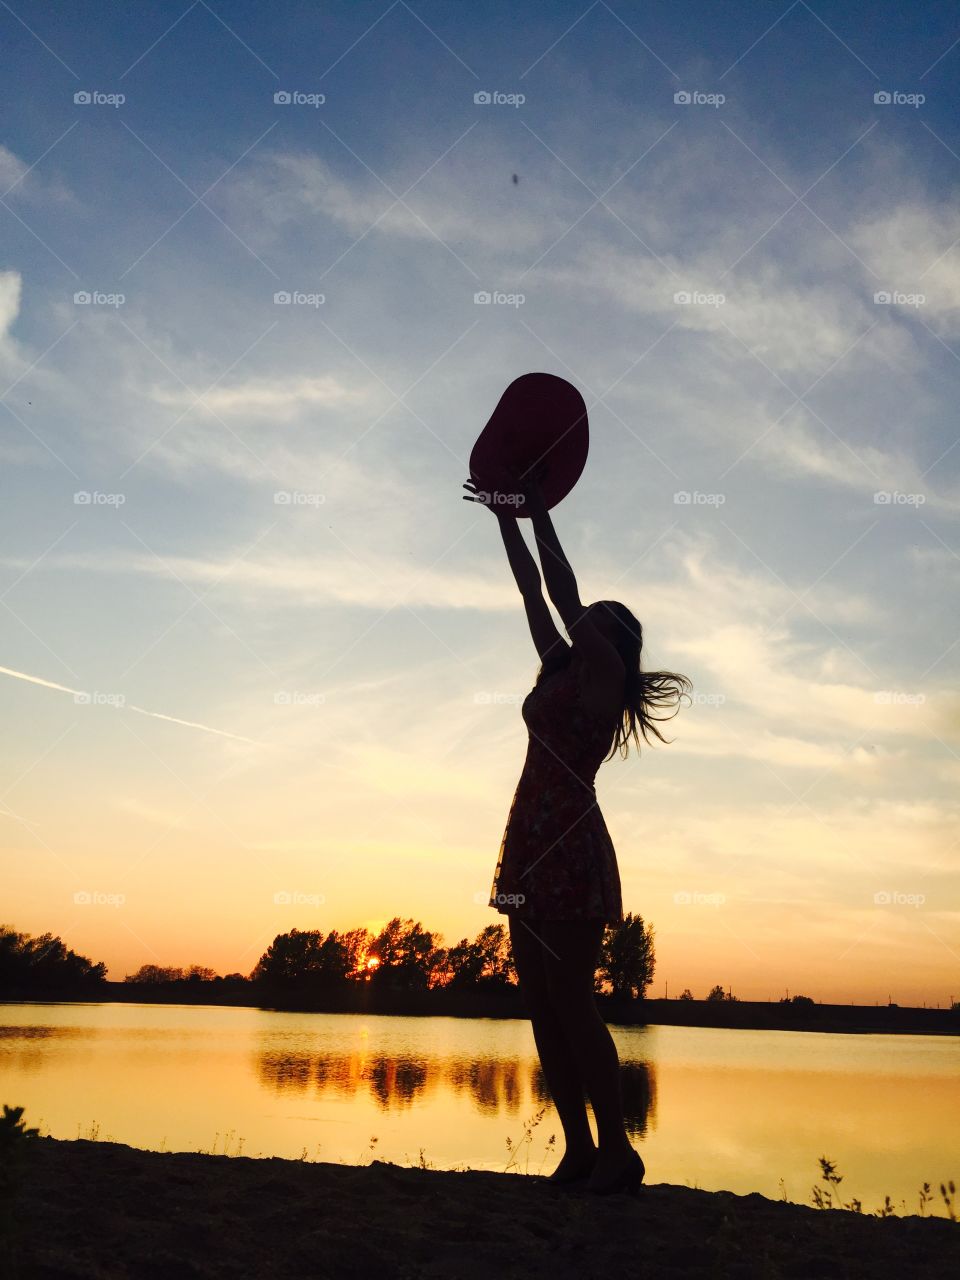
{"type": "Point", "coordinates": [737, 1110]}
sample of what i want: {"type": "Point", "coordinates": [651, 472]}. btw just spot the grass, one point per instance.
{"type": "Point", "coordinates": [828, 1195]}
{"type": "Point", "coordinates": [825, 1194]}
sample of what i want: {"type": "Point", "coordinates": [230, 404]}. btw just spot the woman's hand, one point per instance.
{"type": "Point", "coordinates": [528, 484]}
{"type": "Point", "coordinates": [485, 499]}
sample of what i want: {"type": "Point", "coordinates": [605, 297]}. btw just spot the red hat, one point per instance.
{"type": "Point", "coordinates": [540, 418]}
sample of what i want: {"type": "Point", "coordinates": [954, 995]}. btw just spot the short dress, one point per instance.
{"type": "Point", "coordinates": [557, 861]}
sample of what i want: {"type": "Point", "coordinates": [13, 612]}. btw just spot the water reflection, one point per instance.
{"type": "Point", "coordinates": [397, 1082]}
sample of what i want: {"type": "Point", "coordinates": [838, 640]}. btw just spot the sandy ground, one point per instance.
{"type": "Point", "coordinates": [95, 1210]}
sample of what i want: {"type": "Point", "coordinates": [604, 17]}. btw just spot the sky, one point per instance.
{"type": "Point", "coordinates": [262, 666]}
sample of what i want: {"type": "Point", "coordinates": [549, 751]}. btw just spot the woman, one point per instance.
{"type": "Point", "coordinates": [557, 877]}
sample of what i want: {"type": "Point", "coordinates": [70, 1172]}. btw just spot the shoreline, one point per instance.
{"type": "Point", "coordinates": [752, 1015]}
{"type": "Point", "coordinates": [107, 1211]}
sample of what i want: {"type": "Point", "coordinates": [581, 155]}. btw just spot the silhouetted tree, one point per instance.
{"type": "Point", "coordinates": [155, 973]}
{"type": "Point", "coordinates": [487, 961]}
{"type": "Point", "coordinates": [685, 994]}
{"type": "Point", "coordinates": [307, 958]}
{"type": "Point", "coordinates": [717, 993]}
{"type": "Point", "coordinates": [627, 959]}
{"type": "Point", "coordinates": [407, 954]}
{"type": "Point", "coordinates": [289, 957]}
{"type": "Point", "coordinates": [44, 962]}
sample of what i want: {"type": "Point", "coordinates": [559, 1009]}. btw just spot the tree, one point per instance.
{"type": "Point", "coordinates": [155, 973]}
{"type": "Point", "coordinates": [290, 957]}
{"type": "Point", "coordinates": [627, 959]}
{"type": "Point", "coordinates": [44, 962]}
{"type": "Point", "coordinates": [407, 956]}
{"type": "Point", "coordinates": [685, 994]}
{"type": "Point", "coordinates": [717, 993]}
{"type": "Point", "coordinates": [485, 962]}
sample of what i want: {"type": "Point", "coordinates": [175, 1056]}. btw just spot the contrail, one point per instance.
{"type": "Point", "coordinates": [157, 715]}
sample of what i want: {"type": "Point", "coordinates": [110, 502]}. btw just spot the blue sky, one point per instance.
{"type": "Point", "coordinates": [362, 642]}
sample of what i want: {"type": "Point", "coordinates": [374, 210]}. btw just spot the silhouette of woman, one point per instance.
{"type": "Point", "coordinates": [556, 877]}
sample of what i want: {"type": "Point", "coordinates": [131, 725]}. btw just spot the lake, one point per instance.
{"type": "Point", "coordinates": [718, 1109]}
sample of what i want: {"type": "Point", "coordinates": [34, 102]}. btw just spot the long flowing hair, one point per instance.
{"type": "Point", "coordinates": [645, 694]}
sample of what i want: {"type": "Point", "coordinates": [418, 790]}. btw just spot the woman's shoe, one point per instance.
{"type": "Point", "coordinates": [627, 1180]}
{"type": "Point", "coordinates": [575, 1177]}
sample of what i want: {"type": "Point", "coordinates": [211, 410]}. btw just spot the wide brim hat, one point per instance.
{"type": "Point", "coordinates": [539, 419]}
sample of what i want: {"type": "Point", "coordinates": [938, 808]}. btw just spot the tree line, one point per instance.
{"type": "Point", "coordinates": [402, 956]}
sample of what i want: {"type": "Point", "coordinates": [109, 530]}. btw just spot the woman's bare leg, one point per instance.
{"type": "Point", "coordinates": [560, 1068]}
{"type": "Point", "coordinates": [571, 951]}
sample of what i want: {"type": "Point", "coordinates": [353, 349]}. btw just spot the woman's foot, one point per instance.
{"type": "Point", "coordinates": [621, 1170]}
{"type": "Point", "coordinates": [576, 1165]}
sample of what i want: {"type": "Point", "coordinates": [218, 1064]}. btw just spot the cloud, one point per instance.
{"type": "Point", "coordinates": [914, 248]}
{"type": "Point", "coordinates": [277, 397]}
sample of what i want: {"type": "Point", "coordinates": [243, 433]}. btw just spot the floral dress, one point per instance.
{"type": "Point", "coordinates": [557, 860]}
